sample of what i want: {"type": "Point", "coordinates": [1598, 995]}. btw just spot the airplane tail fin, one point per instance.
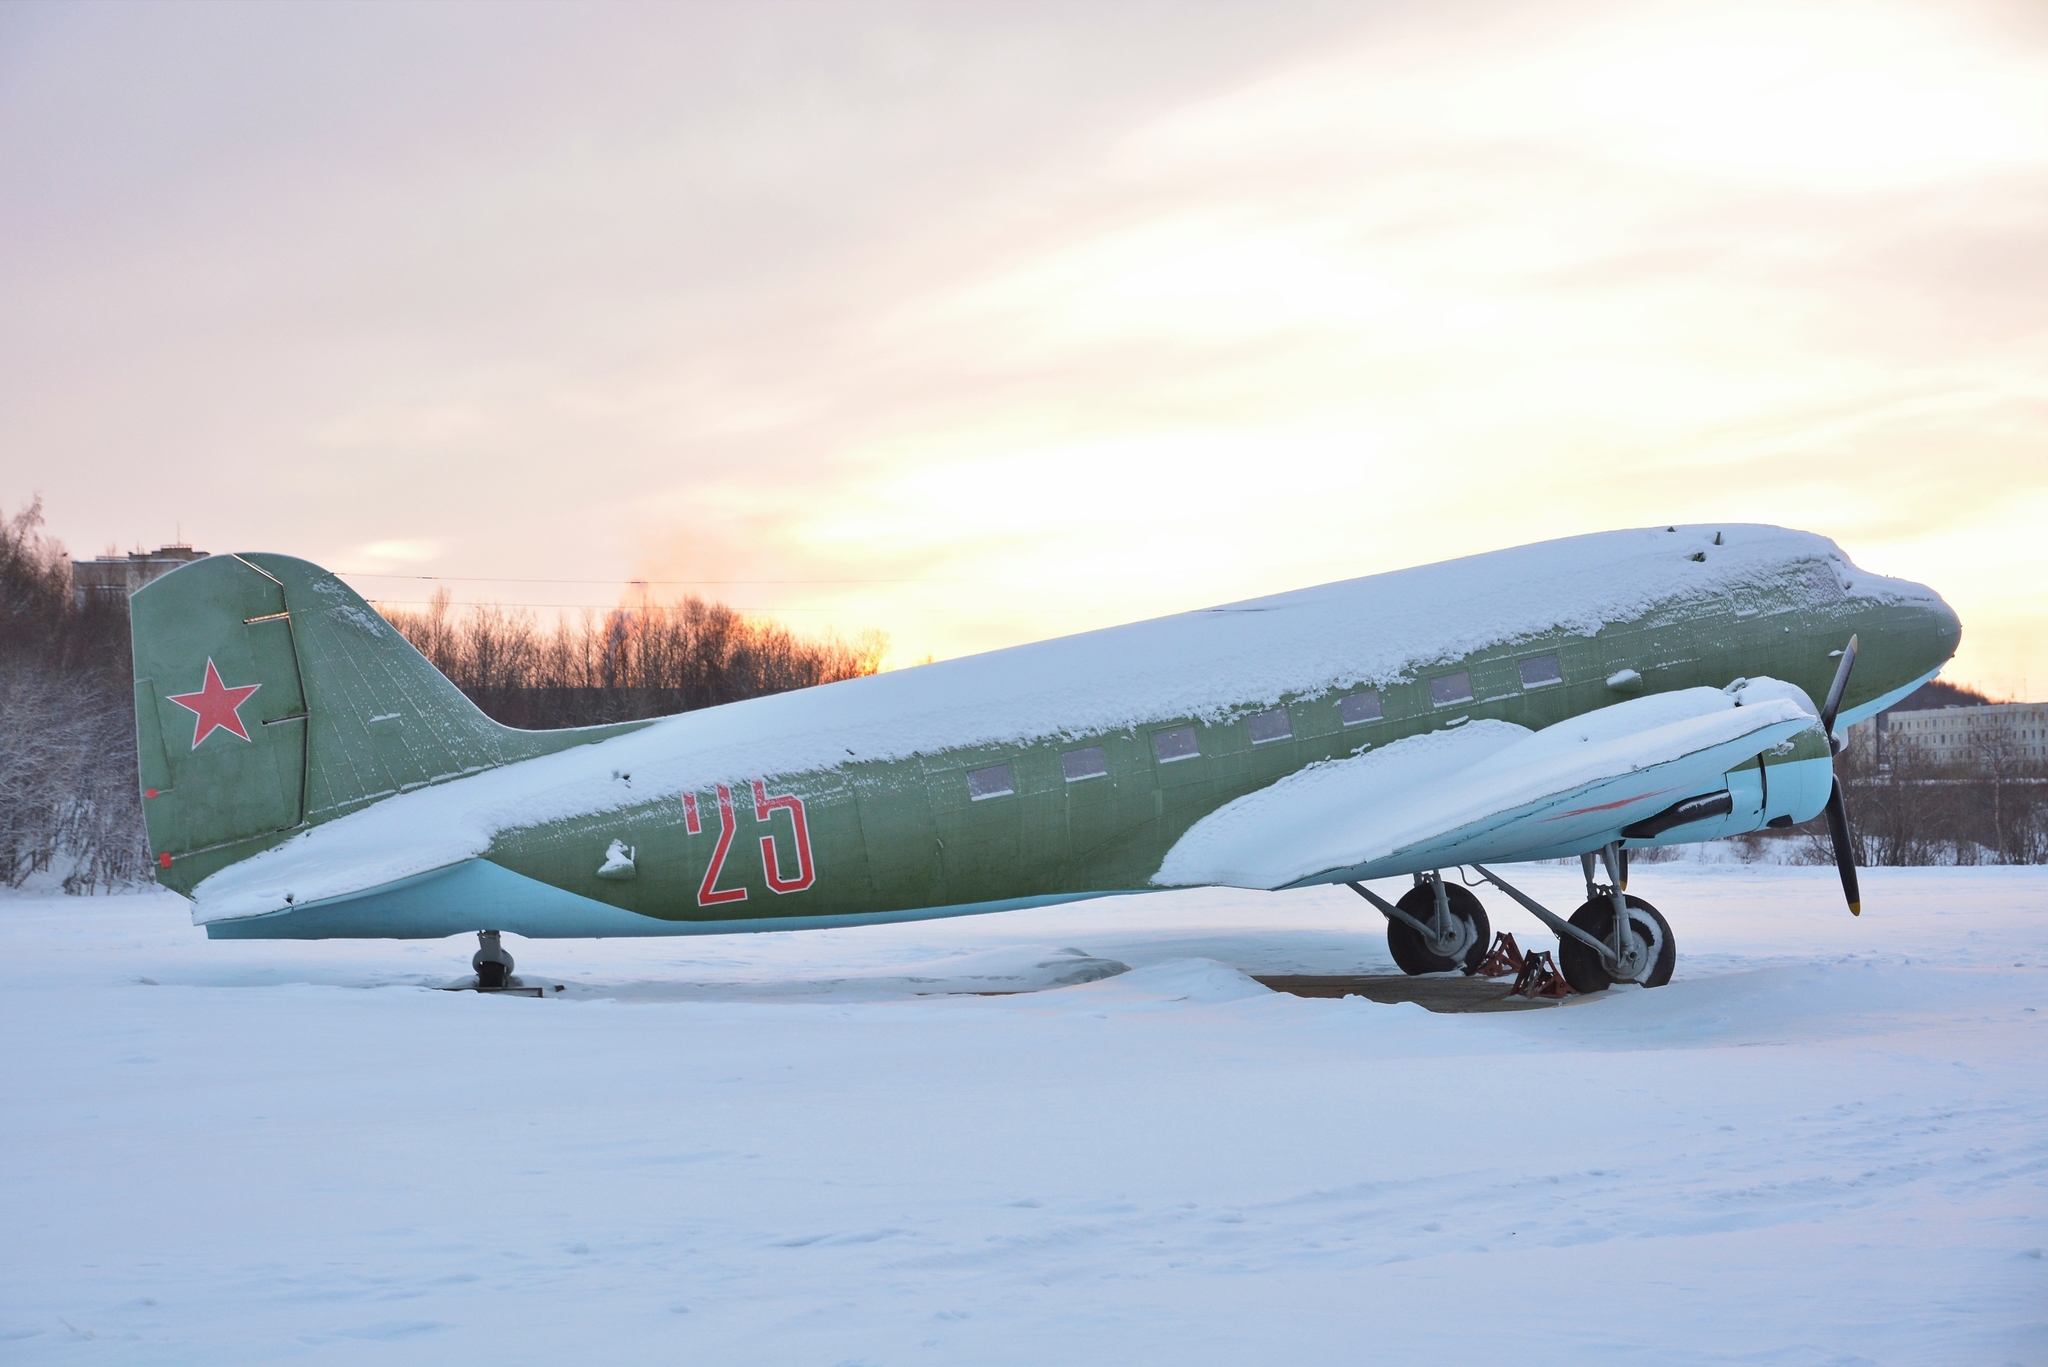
{"type": "Point", "coordinates": [270, 697]}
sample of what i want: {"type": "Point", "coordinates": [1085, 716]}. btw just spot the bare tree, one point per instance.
{"type": "Point", "coordinates": [67, 731]}
{"type": "Point", "coordinates": [647, 660]}
{"type": "Point", "coordinates": [2010, 781]}
{"type": "Point", "coordinates": [1904, 813]}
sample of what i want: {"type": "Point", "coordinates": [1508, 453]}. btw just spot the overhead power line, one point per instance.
{"type": "Point", "coordinates": [483, 579]}
{"type": "Point", "coordinates": [979, 610]}
{"type": "Point", "coordinates": [628, 580]}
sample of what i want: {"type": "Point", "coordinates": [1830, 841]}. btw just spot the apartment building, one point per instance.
{"type": "Point", "coordinates": [112, 578]}
{"type": "Point", "coordinates": [1959, 735]}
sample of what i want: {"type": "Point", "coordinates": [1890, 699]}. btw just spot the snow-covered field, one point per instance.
{"type": "Point", "coordinates": [1826, 1142]}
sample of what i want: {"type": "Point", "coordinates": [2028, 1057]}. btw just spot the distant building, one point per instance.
{"type": "Point", "coordinates": [111, 578]}
{"type": "Point", "coordinates": [1960, 735]}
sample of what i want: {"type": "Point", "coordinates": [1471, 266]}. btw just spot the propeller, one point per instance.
{"type": "Point", "coordinates": [1838, 812]}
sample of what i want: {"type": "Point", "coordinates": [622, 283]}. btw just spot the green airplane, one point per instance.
{"type": "Point", "coordinates": [306, 773]}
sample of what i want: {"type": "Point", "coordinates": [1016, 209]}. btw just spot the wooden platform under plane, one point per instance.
{"type": "Point", "coordinates": [1445, 993]}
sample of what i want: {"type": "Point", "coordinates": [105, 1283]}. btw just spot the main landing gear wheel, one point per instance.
{"type": "Point", "coordinates": [1587, 971]}
{"type": "Point", "coordinates": [1473, 935]}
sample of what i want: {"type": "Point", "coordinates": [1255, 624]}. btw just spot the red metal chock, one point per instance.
{"type": "Point", "coordinates": [1540, 979]}
{"type": "Point", "coordinates": [1503, 959]}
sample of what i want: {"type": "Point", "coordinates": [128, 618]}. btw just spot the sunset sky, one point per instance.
{"type": "Point", "coordinates": [981, 323]}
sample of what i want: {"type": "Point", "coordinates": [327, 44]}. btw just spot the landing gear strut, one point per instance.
{"type": "Point", "coordinates": [1638, 938]}
{"type": "Point", "coordinates": [1613, 937]}
{"type": "Point", "coordinates": [1435, 927]}
{"type": "Point", "coordinates": [1647, 956]}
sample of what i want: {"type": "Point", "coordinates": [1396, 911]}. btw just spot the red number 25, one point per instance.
{"type": "Point", "coordinates": [765, 807]}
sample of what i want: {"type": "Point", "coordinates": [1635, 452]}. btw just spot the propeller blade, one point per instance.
{"type": "Point", "coordinates": [1845, 855]}
{"type": "Point", "coordinates": [1837, 688]}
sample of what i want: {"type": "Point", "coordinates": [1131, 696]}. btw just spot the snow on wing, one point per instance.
{"type": "Point", "coordinates": [1487, 791]}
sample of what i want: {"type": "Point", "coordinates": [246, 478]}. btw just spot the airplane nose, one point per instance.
{"type": "Point", "coordinates": [1948, 628]}
{"type": "Point", "coordinates": [1941, 631]}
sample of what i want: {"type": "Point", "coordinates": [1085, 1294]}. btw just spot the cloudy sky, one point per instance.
{"type": "Point", "coordinates": [982, 323]}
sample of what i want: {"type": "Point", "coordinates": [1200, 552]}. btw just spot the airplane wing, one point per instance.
{"type": "Point", "coordinates": [1488, 791]}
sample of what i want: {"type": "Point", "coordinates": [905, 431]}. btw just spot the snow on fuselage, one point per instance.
{"type": "Point", "coordinates": [879, 768]}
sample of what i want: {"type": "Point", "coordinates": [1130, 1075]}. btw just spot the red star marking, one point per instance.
{"type": "Point", "coordinates": [217, 706]}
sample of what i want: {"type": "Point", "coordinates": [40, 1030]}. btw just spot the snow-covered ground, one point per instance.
{"type": "Point", "coordinates": [1825, 1142]}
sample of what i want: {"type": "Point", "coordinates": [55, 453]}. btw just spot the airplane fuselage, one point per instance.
{"type": "Point", "coordinates": [875, 799]}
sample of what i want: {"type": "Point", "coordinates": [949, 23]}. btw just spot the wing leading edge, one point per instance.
{"type": "Point", "coordinates": [1492, 792]}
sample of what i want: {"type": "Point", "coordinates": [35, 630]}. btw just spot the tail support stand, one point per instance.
{"type": "Point", "coordinates": [492, 964]}
{"type": "Point", "coordinates": [493, 967]}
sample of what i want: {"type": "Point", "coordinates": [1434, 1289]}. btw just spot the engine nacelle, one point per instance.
{"type": "Point", "coordinates": [1782, 787]}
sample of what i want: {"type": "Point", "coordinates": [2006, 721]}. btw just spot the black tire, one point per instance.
{"type": "Point", "coordinates": [1413, 956]}
{"type": "Point", "coordinates": [1587, 971]}
{"type": "Point", "coordinates": [493, 968]}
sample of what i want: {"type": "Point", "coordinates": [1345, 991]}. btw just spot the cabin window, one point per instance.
{"type": "Point", "coordinates": [1451, 688]}
{"type": "Point", "coordinates": [1540, 671]}
{"type": "Point", "coordinates": [1271, 726]}
{"type": "Point", "coordinates": [1361, 707]}
{"type": "Point", "coordinates": [993, 781]}
{"type": "Point", "coordinates": [1084, 763]}
{"type": "Point", "coordinates": [1177, 744]}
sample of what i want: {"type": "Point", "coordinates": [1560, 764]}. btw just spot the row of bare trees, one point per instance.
{"type": "Point", "coordinates": [1988, 808]}
{"type": "Point", "coordinates": [67, 723]}
{"type": "Point", "coordinates": [67, 751]}
{"type": "Point", "coordinates": [647, 661]}
{"type": "Point", "coordinates": [68, 788]}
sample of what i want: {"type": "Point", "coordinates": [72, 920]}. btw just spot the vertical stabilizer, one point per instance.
{"type": "Point", "coordinates": [269, 696]}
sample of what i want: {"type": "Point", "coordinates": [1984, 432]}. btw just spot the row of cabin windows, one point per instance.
{"type": "Point", "coordinates": [994, 781]}
{"type": "Point", "coordinates": [1182, 742]}
{"type": "Point", "coordinates": [1448, 690]}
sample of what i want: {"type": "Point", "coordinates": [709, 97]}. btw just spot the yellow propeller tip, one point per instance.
{"type": "Point", "coordinates": [1855, 908]}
